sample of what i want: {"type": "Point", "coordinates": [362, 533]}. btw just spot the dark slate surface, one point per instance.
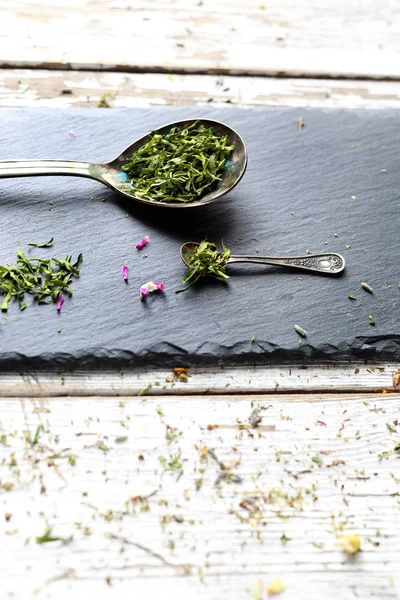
{"type": "Point", "coordinates": [296, 195]}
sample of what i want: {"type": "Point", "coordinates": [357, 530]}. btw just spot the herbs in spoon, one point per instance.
{"type": "Point", "coordinates": [180, 166]}
{"type": "Point", "coordinates": [205, 260]}
{"type": "Point", "coordinates": [45, 279]}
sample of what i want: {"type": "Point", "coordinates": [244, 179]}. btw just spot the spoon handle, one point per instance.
{"type": "Point", "coordinates": [331, 263]}
{"type": "Point", "coordinates": [30, 168]}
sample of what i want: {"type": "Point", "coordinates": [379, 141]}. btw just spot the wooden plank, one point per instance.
{"type": "Point", "coordinates": [265, 502]}
{"type": "Point", "coordinates": [353, 378]}
{"type": "Point", "coordinates": [60, 89]}
{"type": "Point", "coordinates": [275, 38]}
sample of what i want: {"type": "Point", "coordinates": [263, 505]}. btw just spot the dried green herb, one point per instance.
{"type": "Point", "coordinates": [37, 435]}
{"type": "Point", "coordinates": [180, 166]}
{"type": "Point", "coordinates": [44, 245]}
{"type": "Point", "coordinates": [47, 537]}
{"type": "Point", "coordinates": [205, 260]}
{"type": "Point", "coordinates": [371, 320]}
{"type": "Point", "coordinates": [45, 279]}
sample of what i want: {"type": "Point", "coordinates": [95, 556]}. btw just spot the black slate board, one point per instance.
{"type": "Point", "coordinates": [296, 195]}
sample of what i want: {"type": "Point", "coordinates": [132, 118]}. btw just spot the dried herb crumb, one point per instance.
{"type": "Point", "coordinates": [367, 287]}
{"type": "Point", "coordinates": [43, 245]}
{"type": "Point", "coordinates": [48, 537]}
{"type": "Point", "coordinates": [300, 331]}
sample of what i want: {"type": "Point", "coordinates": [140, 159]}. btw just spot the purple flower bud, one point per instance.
{"type": "Point", "coordinates": [142, 243]}
{"type": "Point", "coordinates": [150, 286]}
{"type": "Point", "coordinates": [60, 302]}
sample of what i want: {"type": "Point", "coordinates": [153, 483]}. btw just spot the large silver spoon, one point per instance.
{"type": "Point", "coordinates": [329, 263]}
{"type": "Point", "coordinates": [112, 175]}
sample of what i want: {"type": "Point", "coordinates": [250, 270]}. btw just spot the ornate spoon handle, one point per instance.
{"type": "Point", "coordinates": [331, 263]}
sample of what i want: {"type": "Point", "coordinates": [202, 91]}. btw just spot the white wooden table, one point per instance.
{"type": "Point", "coordinates": [161, 488]}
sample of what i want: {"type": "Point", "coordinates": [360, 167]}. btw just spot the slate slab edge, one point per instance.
{"type": "Point", "coordinates": [164, 354]}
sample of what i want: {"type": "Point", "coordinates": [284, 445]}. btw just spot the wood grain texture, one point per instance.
{"type": "Point", "coordinates": [352, 378]}
{"type": "Point", "coordinates": [311, 471]}
{"type": "Point", "coordinates": [279, 37]}
{"type": "Point", "coordinates": [60, 89]}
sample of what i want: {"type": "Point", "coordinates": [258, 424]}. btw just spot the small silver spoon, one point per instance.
{"type": "Point", "coordinates": [112, 175]}
{"type": "Point", "coordinates": [329, 263]}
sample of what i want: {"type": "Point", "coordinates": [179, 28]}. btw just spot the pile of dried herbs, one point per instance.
{"type": "Point", "coordinates": [180, 166]}
{"type": "Point", "coordinates": [205, 260]}
{"type": "Point", "coordinates": [45, 279]}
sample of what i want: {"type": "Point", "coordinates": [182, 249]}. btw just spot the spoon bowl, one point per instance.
{"type": "Point", "coordinates": [113, 175]}
{"type": "Point", "coordinates": [329, 263]}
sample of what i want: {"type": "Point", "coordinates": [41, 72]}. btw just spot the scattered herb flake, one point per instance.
{"type": "Point", "coordinates": [121, 439]}
{"type": "Point", "coordinates": [300, 331]}
{"type": "Point", "coordinates": [367, 287]}
{"type": "Point", "coordinates": [371, 320]}
{"type": "Point", "coordinates": [36, 436]}
{"type": "Point", "coordinates": [44, 245]}
{"type": "Point", "coordinates": [102, 446]}
{"type": "Point", "coordinates": [47, 537]}
{"type": "Point", "coordinates": [284, 539]}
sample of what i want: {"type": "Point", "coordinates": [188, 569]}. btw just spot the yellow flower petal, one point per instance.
{"type": "Point", "coordinates": [275, 587]}
{"type": "Point", "coordinates": [350, 543]}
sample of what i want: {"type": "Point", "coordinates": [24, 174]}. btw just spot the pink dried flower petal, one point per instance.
{"type": "Point", "coordinates": [142, 243]}
{"type": "Point", "coordinates": [125, 272]}
{"type": "Point", "coordinates": [150, 286]}
{"type": "Point", "coordinates": [143, 292]}
{"type": "Point", "coordinates": [72, 133]}
{"type": "Point", "coordinates": [60, 302]}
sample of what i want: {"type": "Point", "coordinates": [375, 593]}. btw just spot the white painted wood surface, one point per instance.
{"type": "Point", "coordinates": [79, 452]}
{"type": "Point", "coordinates": [278, 37]}
{"type": "Point", "coordinates": [63, 89]}
{"type": "Point", "coordinates": [339, 378]}
{"type": "Point", "coordinates": [315, 467]}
